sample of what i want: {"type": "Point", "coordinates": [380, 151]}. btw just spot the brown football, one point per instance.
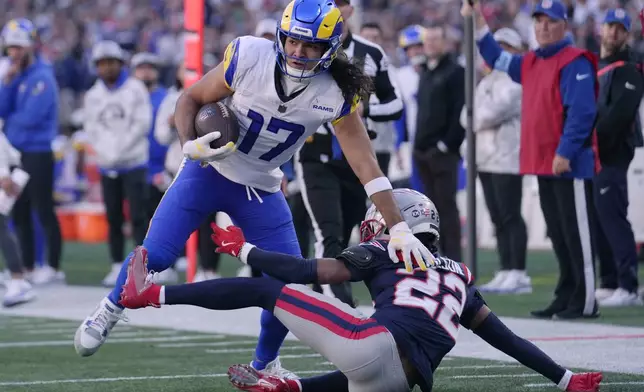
{"type": "Point", "coordinates": [217, 117]}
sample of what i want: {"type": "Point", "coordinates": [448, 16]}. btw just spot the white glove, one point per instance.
{"type": "Point", "coordinates": [200, 150]}
{"type": "Point", "coordinates": [404, 241]}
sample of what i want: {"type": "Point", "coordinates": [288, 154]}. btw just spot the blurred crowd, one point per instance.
{"type": "Point", "coordinates": [69, 28]}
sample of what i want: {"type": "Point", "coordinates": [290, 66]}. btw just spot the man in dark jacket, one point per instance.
{"type": "Point", "coordinates": [29, 108]}
{"type": "Point", "coordinates": [439, 134]}
{"type": "Point", "coordinates": [620, 94]}
{"type": "Point", "coordinates": [558, 145]}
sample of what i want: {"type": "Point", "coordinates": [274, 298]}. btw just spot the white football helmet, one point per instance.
{"type": "Point", "coordinates": [418, 211]}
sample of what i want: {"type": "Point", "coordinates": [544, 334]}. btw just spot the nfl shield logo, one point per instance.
{"type": "Point", "coordinates": [620, 13]}
{"type": "Point", "coordinates": [546, 4]}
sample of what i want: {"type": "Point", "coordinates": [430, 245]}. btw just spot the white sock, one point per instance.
{"type": "Point", "coordinates": [162, 295]}
{"type": "Point", "coordinates": [565, 380]}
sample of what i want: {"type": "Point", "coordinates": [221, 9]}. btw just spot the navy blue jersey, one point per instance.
{"type": "Point", "coordinates": [423, 310]}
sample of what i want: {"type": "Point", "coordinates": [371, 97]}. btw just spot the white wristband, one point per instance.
{"type": "Point", "coordinates": [481, 32]}
{"type": "Point", "coordinates": [400, 226]}
{"type": "Point", "coordinates": [377, 185]}
{"type": "Point", "coordinates": [245, 250]}
{"type": "Point", "coordinates": [565, 380]}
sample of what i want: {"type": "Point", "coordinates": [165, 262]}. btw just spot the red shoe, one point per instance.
{"type": "Point", "coordinates": [246, 378]}
{"type": "Point", "coordinates": [584, 382]}
{"type": "Point", "coordinates": [138, 291]}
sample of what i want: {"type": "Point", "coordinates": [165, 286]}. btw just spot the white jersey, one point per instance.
{"type": "Point", "coordinates": [407, 84]}
{"type": "Point", "coordinates": [271, 130]}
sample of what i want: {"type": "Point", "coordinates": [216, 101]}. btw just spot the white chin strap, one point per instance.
{"type": "Point", "coordinates": [294, 71]}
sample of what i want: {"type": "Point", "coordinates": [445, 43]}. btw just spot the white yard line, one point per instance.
{"type": "Point", "coordinates": [479, 367]}
{"type": "Point", "coordinates": [251, 350]}
{"type": "Point", "coordinates": [296, 356]}
{"type": "Point", "coordinates": [446, 368]}
{"type": "Point", "coordinates": [47, 343]}
{"type": "Point", "coordinates": [544, 385]}
{"type": "Point", "coordinates": [220, 375]}
{"type": "Point", "coordinates": [114, 379]}
{"type": "Point", "coordinates": [134, 334]}
{"type": "Point", "coordinates": [71, 329]}
{"type": "Point", "coordinates": [34, 323]}
{"type": "Point", "coordinates": [209, 344]}
{"type": "Point", "coordinates": [473, 376]}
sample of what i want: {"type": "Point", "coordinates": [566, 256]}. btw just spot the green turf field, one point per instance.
{"type": "Point", "coordinates": [87, 265]}
{"type": "Point", "coordinates": [37, 355]}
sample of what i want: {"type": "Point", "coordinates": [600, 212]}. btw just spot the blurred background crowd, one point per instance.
{"type": "Point", "coordinates": [69, 28]}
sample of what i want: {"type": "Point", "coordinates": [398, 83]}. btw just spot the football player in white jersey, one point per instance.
{"type": "Point", "coordinates": [411, 41]}
{"type": "Point", "coordinates": [281, 92]}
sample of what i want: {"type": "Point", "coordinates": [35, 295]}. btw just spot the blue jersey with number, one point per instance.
{"type": "Point", "coordinates": [272, 127]}
{"type": "Point", "coordinates": [423, 310]}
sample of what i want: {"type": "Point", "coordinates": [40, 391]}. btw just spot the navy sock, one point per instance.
{"type": "Point", "coordinates": [336, 382]}
{"type": "Point", "coordinates": [493, 331]}
{"type": "Point", "coordinates": [224, 294]}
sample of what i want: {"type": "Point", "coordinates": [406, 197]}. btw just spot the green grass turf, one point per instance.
{"type": "Point", "coordinates": [148, 366]}
{"type": "Point", "coordinates": [87, 264]}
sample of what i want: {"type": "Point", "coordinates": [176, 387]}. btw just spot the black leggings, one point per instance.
{"type": "Point", "coordinates": [38, 195]}
{"type": "Point", "coordinates": [9, 247]}
{"type": "Point", "coordinates": [132, 186]}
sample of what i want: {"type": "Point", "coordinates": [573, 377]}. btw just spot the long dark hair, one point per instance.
{"type": "Point", "coordinates": [350, 77]}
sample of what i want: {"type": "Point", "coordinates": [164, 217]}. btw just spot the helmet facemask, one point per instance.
{"type": "Point", "coordinates": [321, 64]}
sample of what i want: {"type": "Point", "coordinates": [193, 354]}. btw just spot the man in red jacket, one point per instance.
{"type": "Point", "coordinates": [557, 144]}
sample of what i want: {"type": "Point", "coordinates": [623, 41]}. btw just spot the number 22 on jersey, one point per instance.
{"type": "Point", "coordinates": [274, 126]}
{"type": "Point", "coordinates": [430, 288]}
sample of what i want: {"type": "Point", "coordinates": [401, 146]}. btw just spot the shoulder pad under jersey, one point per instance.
{"type": "Point", "coordinates": [358, 256]}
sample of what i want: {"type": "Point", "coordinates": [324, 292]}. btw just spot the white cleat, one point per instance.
{"type": "Point", "coordinates": [112, 276]}
{"type": "Point", "coordinates": [167, 276]}
{"type": "Point", "coordinates": [493, 285]}
{"type": "Point", "coordinates": [93, 332]}
{"type": "Point", "coordinates": [47, 275]}
{"type": "Point", "coordinates": [602, 294]}
{"type": "Point", "coordinates": [516, 282]}
{"type": "Point", "coordinates": [274, 368]}
{"type": "Point", "coordinates": [205, 275]}
{"type": "Point", "coordinates": [621, 298]}
{"type": "Point", "coordinates": [19, 291]}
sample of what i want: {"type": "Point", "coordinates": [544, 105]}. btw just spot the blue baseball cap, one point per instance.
{"type": "Point", "coordinates": [554, 9]}
{"type": "Point", "coordinates": [618, 15]}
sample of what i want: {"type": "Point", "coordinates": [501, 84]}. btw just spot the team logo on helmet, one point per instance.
{"type": "Point", "coordinates": [620, 13]}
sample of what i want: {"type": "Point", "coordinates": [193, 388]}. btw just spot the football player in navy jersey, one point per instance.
{"type": "Point", "coordinates": [417, 315]}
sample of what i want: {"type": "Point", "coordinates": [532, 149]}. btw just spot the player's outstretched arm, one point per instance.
{"type": "Point", "coordinates": [211, 88]}
{"type": "Point", "coordinates": [284, 267]}
{"type": "Point", "coordinates": [488, 327]}
{"type": "Point", "coordinates": [358, 150]}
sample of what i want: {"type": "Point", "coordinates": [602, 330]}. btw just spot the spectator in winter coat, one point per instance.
{"type": "Point", "coordinates": [498, 131]}
{"type": "Point", "coordinates": [118, 116]}
{"type": "Point", "coordinates": [29, 107]}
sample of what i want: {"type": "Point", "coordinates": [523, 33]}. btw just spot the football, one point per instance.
{"type": "Point", "coordinates": [217, 117]}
